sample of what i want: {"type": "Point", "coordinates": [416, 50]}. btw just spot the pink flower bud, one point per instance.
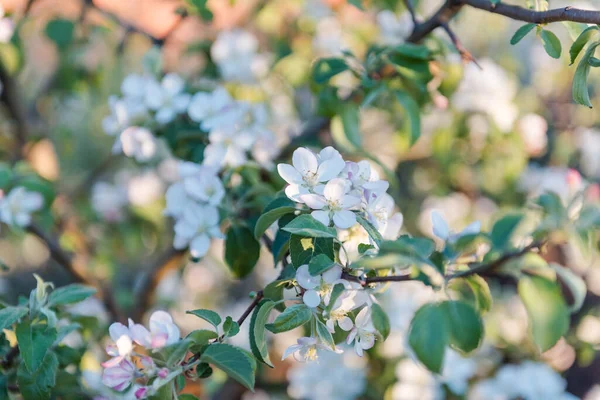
{"type": "Point", "coordinates": [163, 372]}
{"type": "Point", "coordinates": [141, 393]}
{"type": "Point", "coordinates": [119, 377]}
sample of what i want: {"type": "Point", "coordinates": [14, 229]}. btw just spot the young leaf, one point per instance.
{"type": "Point", "coordinates": [319, 264]}
{"type": "Point", "coordinates": [10, 315]}
{"type": "Point", "coordinates": [412, 115]}
{"type": "Point", "coordinates": [466, 328]}
{"type": "Point", "coordinates": [521, 33]}
{"type": "Point", "coordinates": [326, 68]}
{"type": "Point", "coordinates": [233, 361]}
{"type": "Point", "coordinates": [345, 127]}
{"type": "Point", "coordinates": [581, 41]}
{"type": "Point", "coordinates": [242, 250]}
{"type": "Point", "coordinates": [70, 294]}
{"type": "Point", "coordinates": [174, 353]}
{"type": "Point", "coordinates": [481, 292]}
{"type": "Point", "coordinates": [272, 212]}
{"type": "Point", "coordinates": [380, 319]}
{"type": "Point", "coordinates": [258, 341]}
{"type": "Point", "coordinates": [37, 385]}
{"type": "Point", "coordinates": [207, 315]}
{"type": "Point", "coordinates": [200, 338]}
{"type": "Point", "coordinates": [551, 44]}
{"type": "Point", "coordinates": [429, 334]}
{"type": "Point", "coordinates": [373, 233]}
{"type": "Point", "coordinates": [34, 342]}
{"type": "Point", "coordinates": [581, 94]}
{"type": "Point", "coordinates": [293, 317]}
{"type": "Point", "coordinates": [306, 226]}
{"type": "Point", "coordinates": [574, 285]}
{"type": "Point", "coordinates": [547, 310]}
{"type": "Point", "coordinates": [503, 230]}
{"type": "Point", "coordinates": [325, 335]}
{"type": "Point", "coordinates": [303, 249]}
{"type": "Point", "coordinates": [230, 327]}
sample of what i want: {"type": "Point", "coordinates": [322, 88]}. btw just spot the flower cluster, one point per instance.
{"type": "Point", "coordinates": [18, 205]}
{"type": "Point", "coordinates": [129, 363]}
{"type": "Point", "coordinates": [192, 202]}
{"type": "Point", "coordinates": [337, 190]}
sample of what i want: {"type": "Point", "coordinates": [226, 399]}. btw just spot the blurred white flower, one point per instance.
{"type": "Point", "coordinates": [394, 29]}
{"type": "Point", "coordinates": [109, 201]}
{"type": "Point", "coordinates": [441, 229]}
{"type": "Point", "coordinates": [588, 142]}
{"type": "Point", "coordinates": [7, 27]}
{"type": "Point", "coordinates": [329, 39]}
{"type": "Point", "coordinates": [215, 109]}
{"type": "Point", "coordinates": [415, 383]}
{"type": "Point", "coordinates": [16, 207]}
{"type": "Point", "coordinates": [196, 228]}
{"type": "Point", "coordinates": [228, 146]}
{"type": "Point", "coordinates": [533, 129]}
{"type": "Point", "coordinates": [124, 113]}
{"type": "Point", "coordinates": [119, 377]}
{"type": "Point", "coordinates": [144, 188]}
{"type": "Point", "coordinates": [136, 142]}
{"type": "Point", "coordinates": [236, 54]}
{"type": "Point", "coordinates": [168, 98]}
{"type": "Point", "coordinates": [363, 333]}
{"type": "Point", "coordinates": [121, 347]}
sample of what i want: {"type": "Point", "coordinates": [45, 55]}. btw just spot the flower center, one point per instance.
{"type": "Point", "coordinates": [310, 178]}
{"type": "Point", "coordinates": [311, 353]}
{"type": "Point", "coordinates": [334, 205]}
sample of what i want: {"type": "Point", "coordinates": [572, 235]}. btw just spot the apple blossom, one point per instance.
{"type": "Point", "coordinates": [167, 99]}
{"type": "Point", "coordinates": [120, 376]}
{"type": "Point", "coordinates": [442, 230]}
{"type": "Point", "coordinates": [136, 142]}
{"type": "Point", "coordinates": [163, 331]}
{"type": "Point", "coordinates": [228, 146]}
{"type": "Point", "coordinates": [317, 287]}
{"type": "Point", "coordinates": [215, 109]}
{"type": "Point", "coordinates": [16, 207]}
{"type": "Point", "coordinates": [197, 226]}
{"type": "Point", "coordinates": [306, 349]}
{"type": "Point", "coordinates": [122, 346]}
{"type": "Point", "coordinates": [363, 333]}
{"type": "Point", "coordinates": [334, 205]}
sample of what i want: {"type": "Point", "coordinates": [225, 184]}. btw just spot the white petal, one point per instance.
{"type": "Point", "coordinates": [440, 226]}
{"type": "Point", "coordinates": [367, 341]}
{"type": "Point", "coordinates": [311, 298]}
{"type": "Point", "coordinates": [330, 169]}
{"type": "Point", "coordinates": [295, 192]}
{"type": "Point", "coordinates": [290, 350]}
{"type": "Point", "coordinates": [350, 201]}
{"type": "Point", "coordinates": [305, 161]}
{"type": "Point", "coordinates": [364, 317]}
{"type": "Point", "coordinates": [346, 323]}
{"type": "Point", "coordinates": [321, 216]}
{"type": "Point", "coordinates": [332, 274]}
{"type": "Point", "coordinates": [116, 330]}
{"type": "Point", "coordinates": [289, 173]}
{"type": "Point", "coordinates": [165, 115]}
{"type": "Point", "coordinates": [344, 219]}
{"type": "Point", "coordinates": [305, 279]}
{"type": "Point", "coordinates": [314, 201]}
{"type": "Point", "coordinates": [472, 229]}
{"type": "Point", "coordinates": [335, 189]}
{"type": "Point", "coordinates": [199, 246]}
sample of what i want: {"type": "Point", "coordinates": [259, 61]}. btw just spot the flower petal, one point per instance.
{"type": "Point", "coordinates": [289, 173]}
{"type": "Point", "coordinates": [344, 219]}
{"type": "Point", "coordinates": [305, 161]}
{"type": "Point", "coordinates": [321, 216]}
{"type": "Point", "coordinates": [311, 298]}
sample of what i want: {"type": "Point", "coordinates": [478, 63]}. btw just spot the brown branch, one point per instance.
{"type": "Point", "coordinates": [464, 53]}
{"type": "Point", "coordinates": [12, 102]}
{"type": "Point", "coordinates": [64, 259]}
{"type": "Point", "coordinates": [168, 261]}
{"type": "Point", "coordinates": [411, 9]}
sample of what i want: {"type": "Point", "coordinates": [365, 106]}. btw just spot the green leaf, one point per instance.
{"type": "Point", "coordinates": [230, 327]}
{"type": "Point", "coordinates": [320, 264]}
{"type": "Point", "coordinates": [60, 31]}
{"type": "Point", "coordinates": [412, 50]}
{"type": "Point", "coordinates": [412, 114]}
{"type": "Point", "coordinates": [306, 226]}
{"type": "Point", "coordinates": [357, 3]}
{"type": "Point", "coordinates": [594, 62]}
{"type": "Point", "coordinates": [34, 342]}
{"type": "Point", "coordinates": [581, 94]}
{"type": "Point", "coordinates": [258, 340]}
{"type": "Point", "coordinates": [547, 310]}
{"type": "Point", "coordinates": [574, 28]}
{"type": "Point", "coordinates": [303, 249]}
{"type": "Point", "coordinates": [380, 319]}
{"type": "Point", "coordinates": [10, 315]}
{"type": "Point", "coordinates": [242, 250]}
{"type": "Point", "coordinates": [326, 68]}
{"type": "Point", "coordinates": [336, 292]}
{"type": "Point", "coordinates": [272, 212]}
{"type": "Point", "coordinates": [325, 335]}
{"type": "Point", "coordinates": [574, 285]}
{"type": "Point", "coordinates": [466, 328]}
{"type": "Point", "coordinates": [70, 294]}
{"type": "Point", "coordinates": [521, 33]}
{"type": "Point", "coordinates": [200, 338]}
{"type": "Point", "coordinates": [551, 43]}
{"type": "Point", "coordinates": [233, 361]}
{"type": "Point", "coordinates": [373, 233]}
{"type": "Point", "coordinates": [581, 41]}
{"type": "Point", "coordinates": [503, 230]}
{"type": "Point", "coordinates": [38, 385]}
{"type": "Point", "coordinates": [429, 334]}
{"type": "Point", "coordinates": [207, 315]}
{"type": "Point", "coordinates": [199, 7]}
{"type": "Point", "coordinates": [481, 292]}
{"type": "Point", "coordinates": [345, 127]}
{"type": "Point", "coordinates": [293, 317]}
{"type": "Point", "coordinates": [173, 354]}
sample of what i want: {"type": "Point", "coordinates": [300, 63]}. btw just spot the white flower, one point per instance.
{"type": "Point", "coordinates": [109, 200]}
{"type": "Point", "coordinates": [163, 331]}
{"type": "Point", "coordinates": [215, 109]}
{"type": "Point", "coordinates": [7, 27]}
{"type": "Point", "coordinates": [308, 174]}
{"type": "Point", "coordinates": [348, 301]}
{"type": "Point", "coordinates": [334, 205]}
{"type": "Point", "coordinates": [16, 208]}
{"type": "Point", "coordinates": [123, 113]}
{"type": "Point", "coordinates": [394, 224]}
{"type": "Point", "coordinates": [168, 98]}
{"type": "Point", "coordinates": [119, 377]}
{"type": "Point", "coordinates": [228, 146]}
{"type": "Point", "coordinates": [379, 211]}
{"type": "Point", "coordinates": [363, 333]}
{"type": "Point", "coordinates": [134, 86]}
{"type": "Point", "coordinates": [122, 346]}
{"type": "Point", "coordinates": [442, 230]}
{"type": "Point", "coordinates": [136, 142]}
{"type": "Point", "coordinates": [394, 29]}
{"type": "Point", "coordinates": [196, 227]}
{"type": "Point", "coordinates": [205, 186]}
{"type": "Point", "coordinates": [307, 349]}
{"type": "Point", "coordinates": [235, 53]}
{"type": "Point", "coordinates": [317, 287]}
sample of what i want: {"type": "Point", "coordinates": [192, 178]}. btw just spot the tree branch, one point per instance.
{"type": "Point", "coordinates": [536, 17]}
{"type": "Point", "coordinates": [64, 259]}
{"type": "Point", "coordinates": [12, 102]}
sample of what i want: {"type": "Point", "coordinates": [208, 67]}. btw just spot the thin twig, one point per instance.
{"type": "Point", "coordinates": [64, 259]}
{"type": "Point", "coordinates": [464, 53]}
{"type": "Point", "coordinates": [411, 9]}
{"type": "Point", "coordinates": [12, 102]}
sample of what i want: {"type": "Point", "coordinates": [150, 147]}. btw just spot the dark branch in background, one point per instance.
{"type": "Point", "coordinates": [464, 53]}
{"type": "Point", "coordinates": [64, 259]}
{"type": "Point", "coordinates": [14, 107]}
{"type": "Point", "coordinates": [170, 260]}
{"type": "Point", "coordinates": [411, 9]}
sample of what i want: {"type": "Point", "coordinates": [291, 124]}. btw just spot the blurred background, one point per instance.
{"type": "Point", "coordinates": [494, 135]}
